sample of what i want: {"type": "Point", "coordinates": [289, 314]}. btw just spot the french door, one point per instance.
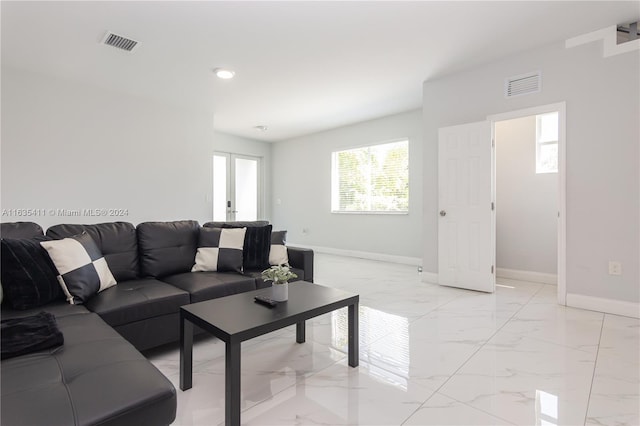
{"type": "Point", "coordinates": [236, 187]}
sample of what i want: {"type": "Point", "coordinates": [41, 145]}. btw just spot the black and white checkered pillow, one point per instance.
{"type": "Point", "coordinates": [82, 270]}
{"type": "Point", "coordinates": [220, 249]}
{"type": "Point", "coordinates": [278, 254]}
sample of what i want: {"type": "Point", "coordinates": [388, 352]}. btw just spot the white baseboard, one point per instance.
{"type": "Point", "coordinates": [430, 277]}
{"type": "Point", "coordinates": [599, 304]}
{"type": "Point", "coordinates": [536, 277]}
{"type": "Point", "coordinates": [404, 260]}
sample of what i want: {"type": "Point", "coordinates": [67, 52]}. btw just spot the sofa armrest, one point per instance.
{"type": "Point", "coordinates": [301, 258]}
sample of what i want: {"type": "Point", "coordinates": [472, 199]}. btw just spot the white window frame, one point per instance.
{"type": "Point", "coordinates": [540, 143]}
{"type": "Point", "coordinates": [335, 182]}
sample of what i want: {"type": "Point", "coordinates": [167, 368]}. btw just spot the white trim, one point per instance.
{"type": "Point", "coordinates": [404, 260]}
{"type": "Point", "coordinates": [430, 277]}
{"type": "Point", "coordinates": [609, 37]}
{"type": "Point", "coordinates": [526, 112]}
{"type": "Point", "coordinates": [562, 182]}
{"type": "Point", "coordinates": [599, 304]}
{"type": "Point", "coordinates": [531, 276]}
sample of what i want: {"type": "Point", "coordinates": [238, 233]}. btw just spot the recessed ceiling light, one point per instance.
{"type": "Point", "coordinates": [223, 73]}
{"type": "Point", "coordinates": [262, 128]}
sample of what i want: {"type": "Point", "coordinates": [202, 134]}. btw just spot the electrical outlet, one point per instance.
{"type": "Point", "coordinates": [615, 268]}
{"type": "Point", "coordinates": [305, 230]}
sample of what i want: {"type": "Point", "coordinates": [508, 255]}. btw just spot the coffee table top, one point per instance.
{"type": "Point", "coordinates": [238, 317]}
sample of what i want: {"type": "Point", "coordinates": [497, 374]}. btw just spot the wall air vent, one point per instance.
{"type": "Point", "coordinates": [523, 84]}
{"type": "Point", "coordinates": [114, 40]}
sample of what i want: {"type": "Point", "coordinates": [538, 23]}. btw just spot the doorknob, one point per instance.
{"type": "Point", "coordinates": [443, 213]}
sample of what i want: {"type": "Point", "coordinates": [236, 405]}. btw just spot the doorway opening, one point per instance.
{"type": "Point", "coordinates": [529, 181]}
{"type": "Point", "coordinates": [237, 187]}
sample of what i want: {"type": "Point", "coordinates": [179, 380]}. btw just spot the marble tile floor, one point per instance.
{"type": "Point", "coordinates": [429, 355]}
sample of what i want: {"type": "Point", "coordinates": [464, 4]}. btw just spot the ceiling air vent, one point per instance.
{"type": "Point", "coordinates": [523, 84]}
{"type": "Point", "coordinates": [119, 42]}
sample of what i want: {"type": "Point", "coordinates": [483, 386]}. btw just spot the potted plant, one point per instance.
{"type": "Point", "coordinates": [280, 276]}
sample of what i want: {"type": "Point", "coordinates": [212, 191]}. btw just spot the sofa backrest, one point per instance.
{"type": "Point", "coordinates": [167, 247]}
{"type": "Point", "coordinates": [238, 224]}
{"type": "Point", "coordinates": [20, 230]}
{"type": "Point", "coordinates": [117, 241]}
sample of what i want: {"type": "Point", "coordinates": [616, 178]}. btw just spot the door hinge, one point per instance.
{"type": "Point", "coordinates": [492, 269]}
{"type": "Point", "coordinates": [493, 143]}
{"type": "Point", "coordinates": [493, 206]}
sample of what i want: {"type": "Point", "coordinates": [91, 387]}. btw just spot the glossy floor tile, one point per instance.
{"type": "Point", "coordinates": [429, 355]}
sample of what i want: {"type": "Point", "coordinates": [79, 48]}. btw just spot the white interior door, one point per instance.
{"type": "Point", "coordinates": [466, 244]}
{"type": "Point", "coordinates": [236, 187]}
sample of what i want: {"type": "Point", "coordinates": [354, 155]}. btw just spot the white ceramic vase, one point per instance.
{"type": "Point", "coordinates": [280, 292]}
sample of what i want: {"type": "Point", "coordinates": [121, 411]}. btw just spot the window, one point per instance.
{"type": "Point", "coordinates": [547, 143]}
{"type": "Point", "coordinates": [372, 179]}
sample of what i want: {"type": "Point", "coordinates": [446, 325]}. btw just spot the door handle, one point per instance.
{"type": "Point", "coordinates": [443, 213]}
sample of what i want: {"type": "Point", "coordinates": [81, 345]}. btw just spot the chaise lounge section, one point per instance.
{"type": "Point", "coordinates": [98, 376]}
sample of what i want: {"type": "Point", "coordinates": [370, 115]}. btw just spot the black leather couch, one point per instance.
{"type": "Point", "coordinates": [99, 376]}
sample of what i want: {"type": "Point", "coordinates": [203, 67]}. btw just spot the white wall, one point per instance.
{"type": "Point", "coordinates": [302, 184]}
{"type": "Point", "coordinates": [224, 142]}
{"type": "Point", "coordinates": [603, 136]}
{"type": "Point", "coordinates": [526, 201]}
{"type": "Point", "coordinates": [70, 146]}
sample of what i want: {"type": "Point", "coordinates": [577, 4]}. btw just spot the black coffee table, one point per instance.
{"type": "Point", "coordinates": [237, 318]}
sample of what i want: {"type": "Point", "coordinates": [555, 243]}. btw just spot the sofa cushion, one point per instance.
{"type": "Point", "coordinates": [219, 250]}
{"type": "Point", "coordinates": [210, 285]}
{"type": "Point", "coordinates": [117, 241]}
{"type": "Point", "coordinates": [137, 300]}
{"type": "Point", "coordinates": [152, 332]}
{"type": "Point", "coordinates": [18, 230]}
{"type": "Point", "coordinates": [82, 269]}
{"type": "Point", "coordinates": [96, 377]}
{"type": "Point", "coordinates": [27, 273]}
{"type": "Point", "coordinates": [278, 252]}
{"type": "Point", "coordinates": [257, 242]}
{"type": "Point", "coordinates": [59, 308]}
{"type": "Point", "coordinates": [167, 247]}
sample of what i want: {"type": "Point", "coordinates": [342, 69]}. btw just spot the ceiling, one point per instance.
{"type": "Point", "coordinates": [301, 67]}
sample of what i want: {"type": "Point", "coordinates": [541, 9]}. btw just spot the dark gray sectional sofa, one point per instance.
{"type": "Point", "coordinates": [99, 376]}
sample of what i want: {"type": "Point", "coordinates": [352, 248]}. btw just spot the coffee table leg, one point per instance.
{"type": "Point", "coordinates": [232, 384]}
{"type": "Point", "coordinates": [301, 333]}
{"type": "Point", "coordinates": [186, 353]}
{"type": "Point", "coordinates": [354, 355]}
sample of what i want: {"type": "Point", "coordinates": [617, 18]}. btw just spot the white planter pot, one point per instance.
{"type": "Point", "coordinates": [280, 292]}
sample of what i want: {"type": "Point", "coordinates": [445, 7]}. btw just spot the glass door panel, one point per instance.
{"type": "Point", "coordinates": [246, 194]}
{"type": "Point", "coordinates": [236, 187]}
